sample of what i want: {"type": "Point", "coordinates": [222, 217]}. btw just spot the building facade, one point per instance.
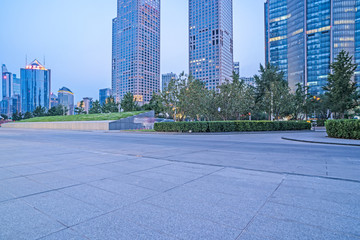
{"type": "Point", "coordinates": [66, 99]}
{"type": "Point", "coordinates": [10, 85]}
{"type": "Point", "coordinates": [250, 81]}
{"type": "Point", "coordinates": [54, 100]}
{"type": "Point", "coordinates": [136, 49]}
{"type": "Point", "coordinates": [211, 41]}
{"type": "Point", "coordinates": [237, 68]}
{"type": "Point", "coordinates": [303, 37]}
{"type": "Point", "coordinates": [35, 87]}
{"type": "Point", "coordinates": [104, 94]}
{"type": "Point", "coordinates": [87, 104]}
{"type": "Point", "coordinates": [166, 79]}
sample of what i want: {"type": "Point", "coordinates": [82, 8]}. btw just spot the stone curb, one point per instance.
{"type": "Point", "coordinates": [317, 142]}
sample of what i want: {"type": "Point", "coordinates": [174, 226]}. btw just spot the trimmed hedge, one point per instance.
{"type": "Point", "coordinates": [349, 129]}
{"type": "Point", "coordinates": [231, 126]}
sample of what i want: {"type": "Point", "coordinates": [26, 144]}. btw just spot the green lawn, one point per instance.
{"type": "Point", "coordinates": [84, 117]}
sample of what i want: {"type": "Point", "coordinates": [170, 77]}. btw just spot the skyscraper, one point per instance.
{"type": "Point", "coordinates": [136, 49]}
{"type": "Point", "coordinates": [237, 68]}
{"type": "Point", "coordinates": [166, 78]}
{"type": "Point", "coordinates": [35, 87]}
{"type": "Point", "coordinates": [211, 41]}
{"type": "Point", "coordinates": [103, 95]}
{"type": "Point", "coordinates": [304, 37]}
{"type": "Point", "coordinates": [66, 99]}
{"type": "Point", "coordinates": [10, 92]}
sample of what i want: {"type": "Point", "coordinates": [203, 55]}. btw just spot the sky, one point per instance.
{"type": "Point", "coordinates": [73, 38]}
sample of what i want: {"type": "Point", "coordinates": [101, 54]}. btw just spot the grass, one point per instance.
{"type": "Point", "coordinates": [84, 117]}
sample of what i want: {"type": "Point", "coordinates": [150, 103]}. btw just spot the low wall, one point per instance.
{"type": "Point", "coordinates": [141, 121]}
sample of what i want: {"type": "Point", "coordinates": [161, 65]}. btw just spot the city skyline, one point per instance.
{"type": "Point", "coordinates": [78, 48]}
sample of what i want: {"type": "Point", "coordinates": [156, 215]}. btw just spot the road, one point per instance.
{"type": "Point", "coordinates": [112, 185]}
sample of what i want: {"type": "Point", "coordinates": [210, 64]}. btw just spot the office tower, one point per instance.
{"type": "Point", "coordinates": [35, 87]}
{"type": "Point", "coordinates": [250, 81]}
{"type": "Point", "coordinates": [237, 68]}
{"type": "Point", "coordinates": [103, 95]}
{"type": "Point", "coordinates": [10, 93]}
{"type": "Point", "coordinates": [54, 100]}
{"type": "Point", "coordinates": [87, 104]}
{"type": "Point", "coordinates": [211, 41]}
{"type": "Point", "coordinates": [304, 37]}
{"type": "Point", "coordinates": [166, 78]}
{"type": "Point", "coordinates": [136, 49]}
{"type": "Point", "coordinates": [66, 99]}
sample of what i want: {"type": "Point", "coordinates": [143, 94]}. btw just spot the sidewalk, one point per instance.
{"type": "Point", "coordinates": [320, 137]}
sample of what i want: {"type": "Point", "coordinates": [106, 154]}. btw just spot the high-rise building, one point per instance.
{"type": "Point", "coordinates": [302, 38]}
{"type": "Point", "coordinates": [166, 78]}
{"type": "Point", "coordinates": [54, 100]}
{"type": "Point", "coordinates": [237, 68]}
{"type": "Point", "coordinates": [103, 95]}
{"type": "Point", "coordinates": [136, 49]}
{"type": "Point", "coordinates": [66, 99]}
{"type": "Point", "coordinates": [10, 93]}
{"type": "Point", "coordinates": [87, 104]}
{"type": "Point", "coordinates": [35, 87]}
{"type": "Point", "coordinates": [249, 81]}
{"type": "Point", "coordinates": [211, 41]}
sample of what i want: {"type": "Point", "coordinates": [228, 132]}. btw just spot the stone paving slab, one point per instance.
{"type": "Point", "coordinates": [127, 186]}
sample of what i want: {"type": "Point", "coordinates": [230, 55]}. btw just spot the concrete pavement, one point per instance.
{"type": "Point", "coordinates": [100, 185]}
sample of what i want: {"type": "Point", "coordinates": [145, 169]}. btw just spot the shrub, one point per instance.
{"type": "Point", "coordinates": [349, 129]}
{"type": "Point", "coordinates": [231, 126]}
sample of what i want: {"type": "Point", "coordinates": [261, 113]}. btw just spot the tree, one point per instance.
{"type": "Point", "coordinates": [80, 109]}
{"type": "Point", "coordinates": [128, 103]}
{"type": "Point", "coordinates": [272, 92]}
{"type": "Point", "coordinates": [96, 107]}
{"type": "Point", "coordinates": [16, 116]}
{"type": "Point", "coordinates": [299, 101]}
{"type": "Point", "coordinates": [28, 115]}
{"type": "Point", "coordinates": [110, 105]}
{"type": "Point", "coordinates": [39, 111]}
{"type": "Point", "coordinates": [155, 104]}
{"type": "Point", "coordinates": [58, 110]}
{"type": "Point", "coordinates": [4, 116]}
{"type": "Point", "coordinates": [341, 89]}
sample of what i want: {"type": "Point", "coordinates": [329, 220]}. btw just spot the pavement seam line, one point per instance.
{"type": "Point", "coordinates": [261, 207]}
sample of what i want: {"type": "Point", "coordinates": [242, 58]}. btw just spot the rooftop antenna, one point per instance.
{"type": "Point", "coordinates": [26, 60]}
{"type": "Point", "coordinates": [44, 61]}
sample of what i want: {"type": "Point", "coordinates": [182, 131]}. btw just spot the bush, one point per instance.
{"type": "Point", "coordinates": [349, 129]}
{"type": "Point", "coordinates": [231, 126]}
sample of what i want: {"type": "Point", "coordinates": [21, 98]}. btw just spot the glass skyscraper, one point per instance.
{"type": "Point", "coordinates": [103, 95]}
{"type": "Point", "coordinates": [166, 78]}
{"type": "Point", "coordinates": [10, 92]}
{"type": "Point", "coordinates": [303, 37]}
{"type": "Point", "coordinates": [211, 41]}
{"type": "Point", "coordinates": [35, 87]}
{"type": "Point", "coordinates": [136, 49]}
{"type": "Point", "coordinates": [66, 99]}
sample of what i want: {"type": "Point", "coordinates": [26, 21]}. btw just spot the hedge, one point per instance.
{"type": "Point", "coordinates": [231, 126]}
{"type": "Point", "coordinates": [349, 129]}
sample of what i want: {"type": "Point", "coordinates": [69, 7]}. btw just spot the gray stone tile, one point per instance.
{"type": "Point", "coordinates": [53, 180]}
{"type": "Point", "coordinates": [66, 234]}
{"type": "Point", "coordinates": [86, 173]}
{"type": "Point", "coordinates": [132, 192]}
{"type": "Point", "coordinates": [283, 230]}
{"type": "Point", "coordinates": [24, 170]}
{"type": "Point", "coordinates": [21, 221]}
{"type": "Point", "coordinates": [102, 199]}
{"type": "Point", "coordinates": [63, 208]}
{"type": "Point", "coordinates": [176, 224]}
{"type": "Point", "coordinates": [22, 186]}
{"type": "Point", "coordinates": [163, 177]}
{"type": "Point", "coordinates": [5, 173]}
{"type": "Point", "coordinates": [149, 183]}
{"type": "Point", "coordinates": [113, 227]}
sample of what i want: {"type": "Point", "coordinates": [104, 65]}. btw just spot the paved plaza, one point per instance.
{"type": "Point", "coordinates": [114, 185]}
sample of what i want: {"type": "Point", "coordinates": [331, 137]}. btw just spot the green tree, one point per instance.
{"type": "Point", "coordinates": [80, 109]}
{"type": "Point", "coordinates": [58, 110]}
{"type": "Point", "coordinates": [110, 105]}
{"type": "Point", "coordinates": [4, 116]}
{"type": "Point", "coordinates": [341, 88]}
{"type": "Point", "coordinates": [272, 92]}
{"type": "Point", "coordinates": [96, 108]}
{"type": "Point", "coordinates": [28, 115]}
{"type": "Point", "coordinates": [155, 104]}
{"type": "Point", "coordinates": [17, 116]}
{"type": "Point", "coordinates": [128, 103]}
{"type": "Point", "coordinates": [39, 111]}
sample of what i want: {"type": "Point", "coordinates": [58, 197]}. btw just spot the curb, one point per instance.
{"type": "Point", "coordinates": [316, 142]}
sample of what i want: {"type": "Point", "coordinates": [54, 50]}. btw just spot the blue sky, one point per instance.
{"type": "Point", "coordinates": [75, 38]}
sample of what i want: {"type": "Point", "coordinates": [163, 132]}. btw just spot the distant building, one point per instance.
{"type": "Point", "coordinates": [211, 41]}
{"type": "Point", "coordinates": [66, 99]}
{"type": "Point", "coordinates": [54, 100]}
{"type": "Point", "coordinates": [166, 78]}
{"type": "Point", "coordinates": [249, 81]}
{"type": "Point", "coordinates": [87, 104]}
{"type": "Point", "coordinates": [35, 87]}
{"type": "Point", "coordinates": [103, 95]}
{"type": "Point", "coordinates": [16, 85]}
{"type": "Point", "coordinates": [10, 93]}
{"type": "Point", "coordinates": [237, 68]}
{"type": "Point", "coordinates": [136, 49]}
